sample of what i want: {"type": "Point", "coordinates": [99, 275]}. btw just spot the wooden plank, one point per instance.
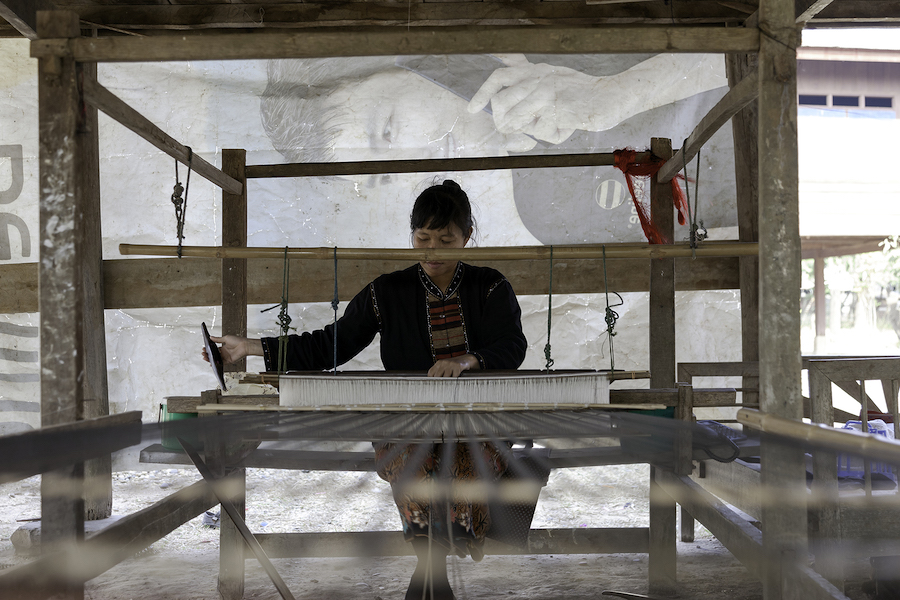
{"type": "Point", "coordinates": [391, 543]}
{"type": "Point", "coordinates": [148, 283]}
{"type": "Point", "coordinates": [731, 103]}
{"type": "Point", "coordinates": [434, 165]}
{"type": "Point", "coordinates": [41, 450]}
{"type": "Point", "coordinates": [687, 371]}
{"type": "Point", "coordinates": [741, 538]}
{"type": "Point", "coordinates": [850, 369]}
{"type": "Point", "coordinates": [119, 111]}
{"type": "Point", "coordinates": [812, 8]}
{"type": "Point", "coordinates": [97, 471]}
{"type": "Point", "coordinates": [204, 17]}
{"type": "Point", "coordinates": [230, 583]}
{"type": "Point", "coordinates": [234, 270]}
{"type": "Point", "coordinates": [735, 482]}
{"type": "Point", "coordinates": [107, 548]}
{"type": "Point", "coordinates": [803, 582]}
{"type": "Point", "coordinates": [22, 15]}
{"type": "Point", "coordinates": [60, 283]}
{"type": "Point", "coordinates": [391, 41]}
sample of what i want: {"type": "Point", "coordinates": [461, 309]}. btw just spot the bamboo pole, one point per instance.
{"type": "Point", "coordinates": [433, 165]}
{"type": "Point", "coordinates": [872, 446]}
{"type": "Point", "coordinates": [593, 251]}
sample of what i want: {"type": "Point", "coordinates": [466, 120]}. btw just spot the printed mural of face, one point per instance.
{"type": "Point", "coordinates": [386, 108]}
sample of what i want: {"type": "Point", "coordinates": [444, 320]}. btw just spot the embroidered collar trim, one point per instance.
{"type": "Point", "coordinates": [434, 290]}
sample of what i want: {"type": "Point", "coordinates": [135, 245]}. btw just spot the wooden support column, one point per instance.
{"type": "Point", "coordinates": [783, 469]}
{"type": "Point", "coordinates": [60, 278]}
{"type": "Point", "coordinates": [662, 373]}
{"type": "Point", "coordinates": [745, 131]}
{"type": "Point", "coordinates": [819, 299]}
{"type": "Point", "coordinates": [98, 471]}
{"type": "Point", "coordinates": [231, 543]}
{"type": "Point", "coordinates": [825, 507]}
{"type": "Point", "coordinates": [234, 234]}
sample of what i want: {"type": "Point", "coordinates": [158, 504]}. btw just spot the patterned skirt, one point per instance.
{"type": "Point", "coordinates": [420, 474]}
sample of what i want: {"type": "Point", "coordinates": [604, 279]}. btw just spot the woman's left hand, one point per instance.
{"type": "Point", "coordinates": [453, 367]}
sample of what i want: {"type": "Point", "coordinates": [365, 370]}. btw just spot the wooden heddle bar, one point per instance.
{"type": "Point", "coordinates": [593, 251]}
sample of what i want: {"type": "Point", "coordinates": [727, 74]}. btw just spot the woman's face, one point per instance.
{"type": "Point", "coordinates": [450, 236]}
{"type": "Point", "coordinates": [400, 115]}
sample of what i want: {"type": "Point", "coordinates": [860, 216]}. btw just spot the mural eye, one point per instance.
{"type": "Point", "coordinates": [386, 133]}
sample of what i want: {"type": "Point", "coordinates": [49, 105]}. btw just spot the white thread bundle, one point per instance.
{"type": "Point", "coordinates": [498, 390]}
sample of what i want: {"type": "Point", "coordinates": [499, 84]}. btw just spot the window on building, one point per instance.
{"type": "Point", "coordinates": [845, 100]}
{"type": "Point", "coordinates": [878, 102]}
{"type": "Point", "coordinates": [813, 100]}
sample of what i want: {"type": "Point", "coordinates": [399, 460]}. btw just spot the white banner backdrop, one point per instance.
{"type": "Point", "coordinates": [370, 109]}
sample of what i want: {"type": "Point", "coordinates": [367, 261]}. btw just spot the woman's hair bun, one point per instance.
{"type": "Point", "coordinates": [452, 184]}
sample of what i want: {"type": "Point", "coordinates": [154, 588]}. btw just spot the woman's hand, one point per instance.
{"type": "Point", "coordinates": [453, 367]}
{"type": "Point", "coordinates": [234, 348]}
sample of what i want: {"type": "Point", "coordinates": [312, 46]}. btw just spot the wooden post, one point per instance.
{"type": "Point", "coordinates": [234, 270]}
{"type": "Point", "coordinates": [825, 511]}
{"type": "Point", "coordinates": [60, 280]}
{"type": "Point", "coordinates": [231, 543]}
{"type": "Point", "coordinates": [745, 131]}
{"type": "Point", "coordinates": [98, 471]}
{"type": "Point", "coordinates": [819, 301]}
{"type": "Point", "coordinates": [662, 373]}
{"type": "Point", "coordinates": [783, 469]}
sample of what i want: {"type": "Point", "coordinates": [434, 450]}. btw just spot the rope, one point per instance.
{"type": "Point", "coordinates": [547, 355]}
{"type": "Point", "coordinates": [284, 319]}
{"type": "Point", "coordinates": [611, 316]}
{"type": "Point", "coordinates": [334, 305]}
{"type": "Point", "coordinates": [179, 202]}
{"type": "Point", "coordinates": [697, 233]}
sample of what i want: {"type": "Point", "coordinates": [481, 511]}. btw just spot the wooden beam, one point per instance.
{"type": "Point", "coordinates": [851, 369]}
{"type": "Point", "coordinates": [234, 270]}
{"type": "Point", "coordinates": [281, 15]}
{"type": "Point", "coordinates": [60, 287]}
{"type": "Point", "coordinates": [857, 13]}
{"type": "Point", "coordinates": [107, 548]}
{"type": "Point", "coordinates": [734, 532]}
{"type": "Point", "coordinates": [401, 40]}
{"type": "Point", "coordinates": [98, 471]}
{"type": "Point", "coordinates": [119, 111]}
{"type": "Point", "coordinates": [391, 543]}
{"type": "Point", "coordinates": [434, 165]}
{"type": "Point", "coordinates": [22, 15]}
{"type": "Point", "coordinates": [813, 8]}
{"type": "Point", "coordinates": [736, 99]}
{"type": "Point", "coordinates": [48, 448]}
{"type": "Point", "coordinates": [167, 282]}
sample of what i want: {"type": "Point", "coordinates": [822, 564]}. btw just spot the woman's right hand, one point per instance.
{"type": "Point", "coordinates": [234, 348]}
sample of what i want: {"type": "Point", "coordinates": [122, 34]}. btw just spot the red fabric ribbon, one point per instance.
{"type": "Point", "coordinates": [626, 161]}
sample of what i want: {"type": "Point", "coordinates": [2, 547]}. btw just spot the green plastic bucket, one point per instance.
{"type": "Point", "coordinates": [169, 433]}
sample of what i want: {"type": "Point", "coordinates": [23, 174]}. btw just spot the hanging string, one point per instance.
{"type": "Point", "coordinates": [547, 355]}
{"type": "Point", "coordinates": [284, 319]}
{"type": "Point", "coordinates": [334, 306]}
{"type": "Point", "coordinates": [611, 315]}
{"type": "Point", "coordinates": [697, 233]}
{"type": "Point", "coordinates": [179, 202]}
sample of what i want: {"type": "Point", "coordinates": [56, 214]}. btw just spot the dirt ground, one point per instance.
{"type": "Point", "coordinates": [184, 565]}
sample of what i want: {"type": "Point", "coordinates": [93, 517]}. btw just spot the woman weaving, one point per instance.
{"type": "Point", "coordinates": [443, 317]}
